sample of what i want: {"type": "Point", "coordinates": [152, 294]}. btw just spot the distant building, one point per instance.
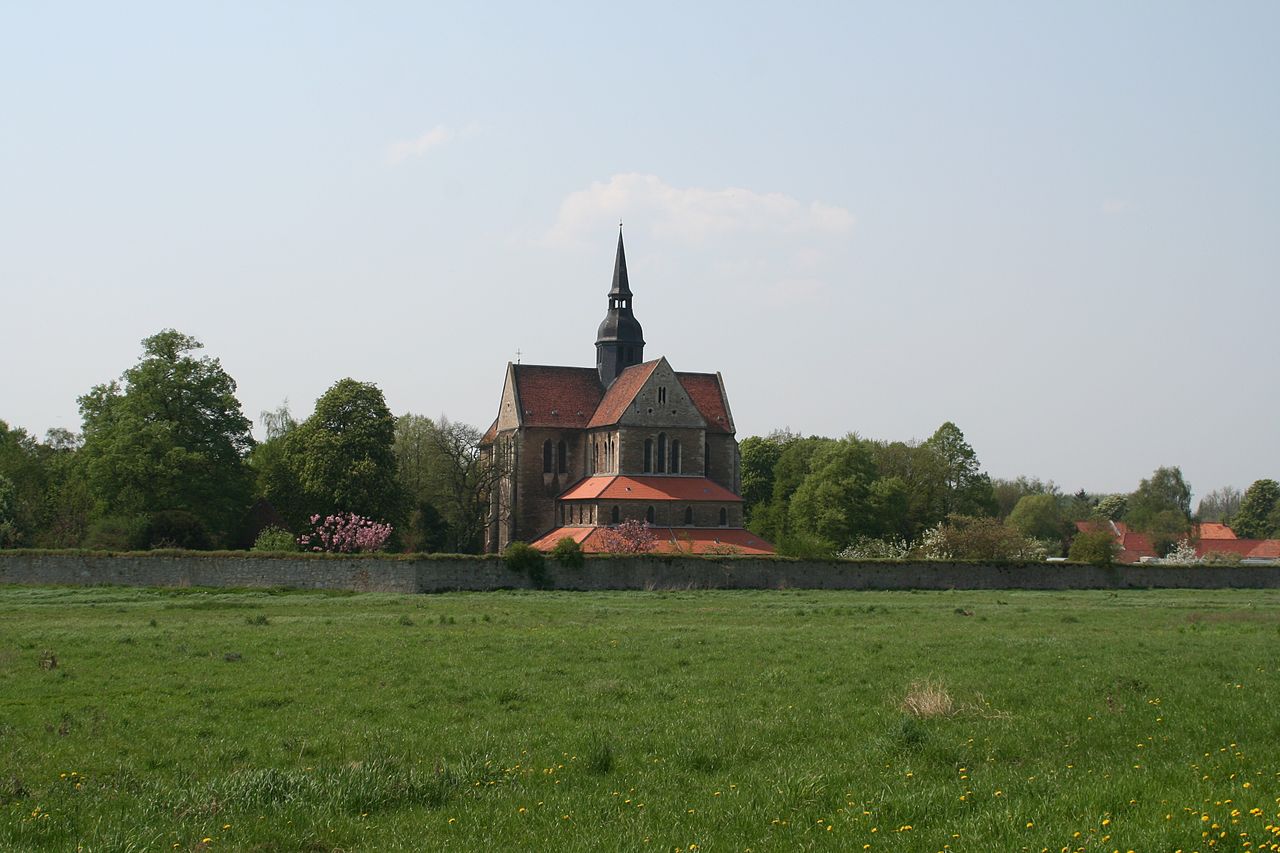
{"type": "Point", "coordinates": [581, 449]}
{"type": "Point", "coordinates": [1208, 537]}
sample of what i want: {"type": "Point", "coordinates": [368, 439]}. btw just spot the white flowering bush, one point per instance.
{"type": "Point", "coordinates": [1183, 554]}
{"type": "Point", "coordinates": [866, 548]}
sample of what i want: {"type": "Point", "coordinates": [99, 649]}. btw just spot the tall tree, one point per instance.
{"type": "Point", "coordinates": [1219, 505]}
{"type": "Point", "coordinates": [343, 456]}
{"type": "Point", "coordinates": [966, 490]}
{"type": "Point", "coordinates": [1259, 513]}
{"type": "Point", "coordinates": [1039, 516]}
{"type": "Point", "coordinates": [169, 436]}
{"type": "Point", "coordinates": [1164, 491]}
{"type": "Point", "coordinates": [838, 500]}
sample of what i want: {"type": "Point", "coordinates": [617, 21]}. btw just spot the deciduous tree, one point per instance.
{"type": "Point", "coordinates": [1259, 513]}
{"type": "Point", "coordinates": [169, 435]}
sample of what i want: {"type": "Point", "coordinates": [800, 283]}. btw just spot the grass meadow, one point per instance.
{"type": "Point", "coordinates": [663, 721]}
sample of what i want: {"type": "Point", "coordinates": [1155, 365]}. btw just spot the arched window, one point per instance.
{"type": "Point", "coordinates": [613, 516]}
{"type": "Point", "coordinates": [546, 456]}
{"type": "Point", "coordinates": [688, 516]}
{"type": "Point", "coordinates": [675, 456]}
{"type": "Point", "coordinates": [648, 515]}
{"type": "Point", "coordinates": [706, 458]}
{"type": "Point", "coordinates": [662, 452]}
{"type": "Point", "coordinates": [562, 515]}
{"type": "Point", "coordinates": [562, 458]}
{"type": "Point", "coordinates": [648, 455]}
{"type": "Point", "coordinates": [724, 517]}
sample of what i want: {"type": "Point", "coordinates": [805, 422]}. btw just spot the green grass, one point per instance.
{"type": "Point", "coordinates": [637, 721]}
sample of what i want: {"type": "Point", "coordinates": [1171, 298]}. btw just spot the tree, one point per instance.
{"type": "Point", "coordinates": [343, 455]}
{"type": "Point", "coordinates": [1259, 513]}
{"type": "Point", "coordinates": [771, 520]}
{"type": "Point", "coordinates": [1007, 493]}
{"type": "Point", "coordinates": [1093, 546]}
{"type": "Point", "coordinates": [276, 481]}
{"type": "Point", "coordinates": [1219, 505]}
{"type": "Point", "coordinates": [169, 436]}
{"type": "Point", "coordinates": [1038, 517]}
{"type": "Point", "coordinates": [840, 499]}
{"type": "Point", "coordinates": [965, 489]}
{"type": "Point", "coordinates": [1111, 507]}
{"type": "Point", "coordinates": [1164, 491]}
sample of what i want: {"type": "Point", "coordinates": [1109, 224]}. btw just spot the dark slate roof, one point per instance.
{"type": "Point", "coordinates": [621, 286]}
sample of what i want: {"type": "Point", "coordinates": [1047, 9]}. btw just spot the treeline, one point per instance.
{"type": "Point", "coordinates": [166, 459]}
{"type": "Point", "coordinates": [820, 497]}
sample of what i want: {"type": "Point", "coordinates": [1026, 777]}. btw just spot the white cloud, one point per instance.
{"type": "Point", "coordinates": [398, 152]}
{"type": "Point", "coordinates": [692, 214]}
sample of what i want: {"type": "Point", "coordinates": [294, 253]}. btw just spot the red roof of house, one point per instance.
{"type": "Point", "coordinates": [1133, 546]}
{"type": "Point", "coordinates": [557, 396]}
{"type": "Point", "coordinates": [659, 488]}
{"type": "Point", "coordinates": [624, 389]}
{"type": "Point", "coordinates": [707, 395]}
{"type": "Point", "coordinates": [1261, 549]}
{"type": "Point", "coordinates": [1215, 530]}
{"type": "Point", "coordinates": [689, 540]}
{"type": "Point", "coordinates": [1268, 549]}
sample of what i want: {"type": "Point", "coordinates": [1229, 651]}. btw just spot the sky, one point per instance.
{"type": "Point", "coordinates": [1055, 225]}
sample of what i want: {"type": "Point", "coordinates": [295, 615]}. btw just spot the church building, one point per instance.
{"type": "Point", "coordinates": [580, 449]}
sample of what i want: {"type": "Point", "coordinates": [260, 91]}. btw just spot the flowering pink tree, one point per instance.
{"type": "Point", "coordinates": [345, 533]}
{"type": "Point", "coordinates": [629, 537]}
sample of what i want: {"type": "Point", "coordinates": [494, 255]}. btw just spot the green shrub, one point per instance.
{"type": "Point", "coordinates": [525, 559]}
{"type": "Point", "coordinates": [175, 528]}
{"type": "Point", "coordinates": [275, 539]}
{"type": "Point", "coordinates": [116, 533]}
{"type": "Point", "coordinates": [568, 553]}
{"type": "Point", "coordinates": [1093, 546]}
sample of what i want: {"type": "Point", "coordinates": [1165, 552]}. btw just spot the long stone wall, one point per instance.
{"type": "Point", "coordinates": [639, 573]}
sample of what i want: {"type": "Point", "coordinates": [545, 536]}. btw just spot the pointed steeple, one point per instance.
{"type": "Point", "coordinates": [621, 286]}
{"type": "Point", "coordinates": [619, 340]}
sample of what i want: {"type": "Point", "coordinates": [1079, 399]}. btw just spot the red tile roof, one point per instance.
{"type": "Point", "coordinates": [490, 434]}
{"type": "Point", "coordinates": [1261, 549]}
{"type": "Point", "coordinates": [620, 394]}
{"type": "Point", "coordinates": [557, 396]}
{"type": "Point", "coordinates": [672, 488]}
{"type": "Point", "coordinates": [689, 540]}
{"type": "Point", "coordinates": [1215, 530]}
{"type": "Point", "coordinates": [707, 395]}
{"type": "Point", "coordinates": [1268, 549]}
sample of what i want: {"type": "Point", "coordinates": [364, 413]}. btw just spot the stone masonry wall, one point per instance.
{"type": "Point", "coordinates": [636, 573]}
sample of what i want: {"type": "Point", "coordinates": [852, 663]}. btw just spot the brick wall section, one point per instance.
{"type": "Point", "coordinates": [639, 573]}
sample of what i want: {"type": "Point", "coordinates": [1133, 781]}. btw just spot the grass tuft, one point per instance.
{"type": "Point", "coordinates": [928, 699]}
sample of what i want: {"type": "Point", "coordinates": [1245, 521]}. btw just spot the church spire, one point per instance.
{"type": "Point", "coordinates": [621, 286]}
{"type": "Point", "coordinates": [619, 340]}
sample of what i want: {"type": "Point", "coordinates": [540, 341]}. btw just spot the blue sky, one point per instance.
{"type": "Point", "coordinates": [1056, 225]}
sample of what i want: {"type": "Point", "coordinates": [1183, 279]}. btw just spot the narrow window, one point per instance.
{"type": "Point", "coordinates": [724, 517]}
{"type": "Point", "coordinates": [546, 456]}
{"type": "Point", "coordinates": [561, 515]}
{"type": "Point", "coordinates": [648, 455]}
{"type": "Point", "coordinates": [675, 456]}
{"type": "Point", "coordinates": [688, 516]}
{"type": "Point", "coordinates": [662, 452]}
{"type": "Point", "coordinates": [562, 458]}
{"type": "Point", "coordinates": [613, 516]}
{"type": "Point", "coordinates": [706, 458]}
{"type": "Point", "coordinates": [648, 515]}
{"type": "Point", "coordinates": [662, 394]}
